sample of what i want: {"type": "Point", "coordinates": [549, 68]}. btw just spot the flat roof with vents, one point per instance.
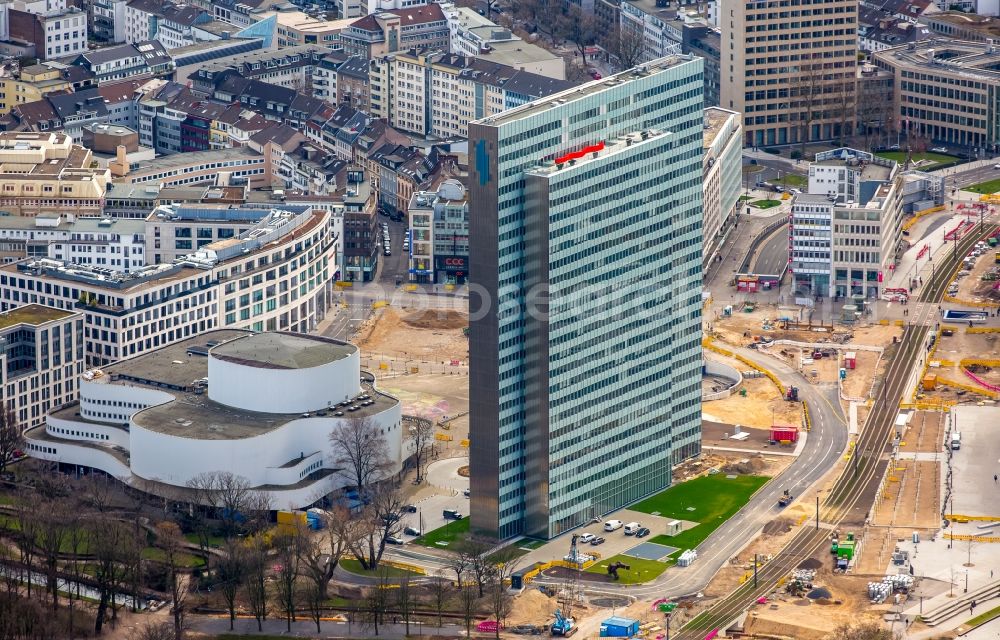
{"type": "Point", "coordinates": [175, 367]}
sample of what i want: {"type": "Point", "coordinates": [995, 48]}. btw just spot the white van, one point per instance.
{"type": "Point", "coordinates": [631, 528]}
{"type": "Point", "coordinates": [612, 525]}
{"type": "Point", "coordinates": [956, 440]}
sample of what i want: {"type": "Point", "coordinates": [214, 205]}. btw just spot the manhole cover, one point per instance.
{"type": "Point", "coordinates": [604, 603]}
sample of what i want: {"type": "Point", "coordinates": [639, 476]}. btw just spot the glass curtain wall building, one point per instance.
{"type": "Point", "coordinates": [585, 337]}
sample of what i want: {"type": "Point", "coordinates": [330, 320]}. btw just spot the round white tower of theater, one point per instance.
{"type": "Point", "coordinates": [283, 373]}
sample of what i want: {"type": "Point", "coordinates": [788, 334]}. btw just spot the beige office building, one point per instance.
{"type": "Point", "coordinates": [789, 68]}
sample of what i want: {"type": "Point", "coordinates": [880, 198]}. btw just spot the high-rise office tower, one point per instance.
{"type": "Point", "coordinates": [585, 338]}
{"type": "Point", "coordinates": [790, 68]}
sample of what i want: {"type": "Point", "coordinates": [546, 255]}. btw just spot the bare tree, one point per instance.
{"type": "Point", "coordinates": [503, 564]}
{"type": "Point", "coordinates": [319, 561]}
{"type": "Point", "coordinates": [112, 546]}
{"type": "Point", "coordinates": [227, 493]}
{"type": "Point", "coordinates": [404, 601]}
{"type": "Point", "coordinates": [867, 630]}
{"type": "Point", "coordinates": [468, 600]}
{"type": "Point", "coordinates": [154, 631]}
{"type": "Point", "coordinates": [231, 570]}
{"type": "Point", "coordinates": [579, 28]}
{"type": "Point", "coordinates": [170, 540]}
{"type": "Point", "coordinates": [361, 450]}
{"type": "Point", "coordinates": [376, 601]}
{"type": "Point", "coordinates": [11, 439]}
{"type": "Point", "coordinates": [288, 554]}
{"type": "Point", "coordinates": [256, 579]}
{"type": "Point", "coordinates": [628, 46]}
{"type": "Point", "coordinates": [459, 563]}
{"type": "Point", "coordinates": [379, 520]}
{"type": "Point", "coordinates": [476, 553]}
{"type": "Point", "coordinates": [28, 529]}
{"type": "Point", "coordinates": [441, 593]}
{"type": "Point", "coordinates": [422, 437]}
{"type": "Point", "coordinates": [52, 534]}
{"type": "Point", "coordinates": [805, 91]}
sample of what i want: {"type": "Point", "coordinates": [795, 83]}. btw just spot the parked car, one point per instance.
{"type": "Point", "coordinates": [940, 149]}
{"type": "Point", "coordinates": [596, 541]}
{"type": "Point", "coordinates": [894, 147]}
{"type": "Point", "coordinates": [467, 493]}
{"type": "Point", "coordinates": [642, 532]}
{"type": "Point", "coordinates": [586, 537]}
{"type": "Point", "coordinates": [411, 531]}
{"type": "Point", "coordinates": [595, 74]}
{"type": "Point", "coordinates": [613, 525]}
{"type": "Point", "coordinates": [409, 508]}
{"type": "Point", "coordinates": [452, 514]}
{"type": "Point", "coordinates": [631, 528]}
{"type": "Point", "coordinates": [393, 540]}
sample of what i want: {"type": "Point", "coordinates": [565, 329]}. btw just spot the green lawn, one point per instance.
{"type": "Point", "coordinates": [988, 187]}
{"type": "Point", "coordinates": [713, 500]}
{"type": "Point", "coordinates": [213, 541]}
{"type": "Point", "coordinates": [983, 618]}
{"type": "Point", "coordinates": [187, 560]}
{"type": "Point", "coordinates": [765, 204]}
{"type": "Point", "coordinates": [792, 180]}
{"type": "Point", "coordinates": [353, 566]}
{"type": "Point", "coordinates": [937, 158]}
{"type": "Point", "coordinates": [446, 535]}
{"type": "Point", "coordinates": [640, 570]}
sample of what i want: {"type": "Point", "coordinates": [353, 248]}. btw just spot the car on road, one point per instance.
{"type": "Point", "coordinates": [393, 540]}
{"type": "Point", "coordinates": [411, 531]}
{"type": "Point", "coordinates": [386, 252]}
{"type": "Point", "coordinates": [467, 493]}
{"type": "Point", "coordinates": [586, 537]}
{"type": "Point", "coordinates": [596, 541]}
{"type": "Point", "coordinates": [642, 532]}
{"type": "Point", "coordinates": [613, 525]}
{"type": "Point", "coordinates": [940, 149]}
{"type": "Point", "coordinates": [996, 166]}
{"type": "Point", "coordinates": [452, 514]}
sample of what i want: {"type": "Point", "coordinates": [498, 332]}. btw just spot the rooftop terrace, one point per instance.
{"type": "Point", "coordinates": [33, 314]}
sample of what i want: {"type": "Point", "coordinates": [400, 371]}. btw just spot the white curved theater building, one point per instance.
{"type": "Point", "coordinates": [261, 406]}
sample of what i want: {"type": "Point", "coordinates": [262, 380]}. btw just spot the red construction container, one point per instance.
{"type": "Point", "coordinates": [850, 360]}
{"type": "Point", "coordinates": [781, 433]}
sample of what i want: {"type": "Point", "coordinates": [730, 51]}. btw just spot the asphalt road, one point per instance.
{"type": "Point", "coordinates": [824, 446]}
{"type": "Point", "coordinates": [773, 255]}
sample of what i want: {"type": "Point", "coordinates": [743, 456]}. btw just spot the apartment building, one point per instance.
{"type": "Point", "coordinates": [277, 276]}
{"type": "Point", "coordinates": [438, 94]}
{"type": "Point", "coordinates": [108, 23]}
{"type": "Point", "coordinates": [240, 165]}
{"type": "Point", "coordinates": [41, 361]}
{"type": "Point", "coordinates": [289, 67]}
{"type": "Point", "coordinates": [439, 234]}
{"type": "Point", "coordinates": [398, 30]}
{"type": "Point", "coordinates": [46, 173]}
{"type": "Point", "coordinates": [473, 35]}
{"type": "Point", "coordinates": [104, 242]}
{"type": "Point", "coordinates": [361, 245]}
{"type": "Point", "coordinates": [56, 33]}
{"type": "Point", "coordinates": [789, 69]}
{"type": "Point", "coordinates": [126, 61]}
{"type": "Point", "coordinates": [946, 90]}
{"type": "Point", "coordinates": [562, 400]}
{"type": "Point", "coordinates": [722, 175]}
{"type": "Point", "coordinates": [295, 28]}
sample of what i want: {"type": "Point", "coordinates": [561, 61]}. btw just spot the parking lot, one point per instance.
{"type": "Point", "coordinates": [976, 463]}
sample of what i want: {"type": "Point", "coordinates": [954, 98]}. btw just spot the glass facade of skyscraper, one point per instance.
{"type": "Point", "coordinates": [585, 251]}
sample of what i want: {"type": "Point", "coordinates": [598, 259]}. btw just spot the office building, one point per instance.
{"type": "Point", "coordinates": [103, 242]}
{"type": "Point", "coordinates": [585, 248]}
{"type": "Point", "coordinates": [723, 176]}
{"type": "Point", "coordinates": [398, 30]}
{"type": "Point", "coordinates": [259, 406]}
{"type": "Point", "coordinates": [790, 70]}
{"type": "Point", "coordinates": [57, 32]}
{"type": "Point", "coordinates": [439, 234]}
{"type": "Point", "coordinates": [47, 173]}
{"type": "Point", "coordinates": [40, 362]}
{"type": "Point", "coordinates": [276, 277]}
{"type": "Point", "coordinates": [946, 90]}
{"type": "Point", "coordinates": [195, 226]}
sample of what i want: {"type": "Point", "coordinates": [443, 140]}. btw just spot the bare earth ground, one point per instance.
{"type": "Point", "coordinates": [925, 433]}
{"type": "Point", "coordinates": [876, 549]}
{"type": "Point", "coordinates": [911, 497]}
{"type": "Point", "coordinates": [953, 349]}
{"type": "Point", "coordinates": [760, 408]}
{"type": "Point", "coordinates": [432, 335]}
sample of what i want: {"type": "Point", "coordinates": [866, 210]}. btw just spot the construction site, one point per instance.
{"type": "Point", "coordinates": [962, 365]}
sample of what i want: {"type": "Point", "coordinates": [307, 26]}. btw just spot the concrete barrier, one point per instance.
{"type": "Point", "coordinates": [721, 370]}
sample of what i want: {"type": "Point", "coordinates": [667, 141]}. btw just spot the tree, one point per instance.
{"type": "Point", "coordinates": [476, 550]}
{"type": "Point", "coordinates": [805, 91]}
{"type": "Point", "coordinates": [379, 520]}
{"type": "Point", "coordinates": [404, 601]}
{"type": "Point", "coordinates": [287, 547]}
{"type": "Point", "coordinates": [867, 630]}
{"type": "Point", "coordinates": [376, 601]}
{"type": "Point", "coordinates": [503, 564]}
{"type": "Point", "coordinates": [441, 592]}
{"type": "Point", "coordinates": [628, 46]}
{"type": "Point", "coordinates": [468, 600]}
{"type": "Point", "coordinates": [11, 439]}
{"type": "Point", "coordinates": [113, 547]}
{"type": "Point", "coordinates": [579, 28]}
{"type": "Point", "coordinates": [170, 540]}
{"type": "Point", "coordinates": [52, 535]}
{"type": "Point", "coordinates": [238, 504]}
{"type": "Point", "coordinates": [459, 563]}
{"type": "Point", "coordinates": [317, 563]}
{"type": "Point", "coordinates": [360, 450]}
{"type": "Point", "coordinates": [422, 438]}
{"type": "Point", "coordinates": [231, 570]}
{"type": "Point", "coordinates": [256, 579]}
{"type": "Point", "coordinates": [154, 631]}
{"type": "Point", "coordinates": [29, 528]}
